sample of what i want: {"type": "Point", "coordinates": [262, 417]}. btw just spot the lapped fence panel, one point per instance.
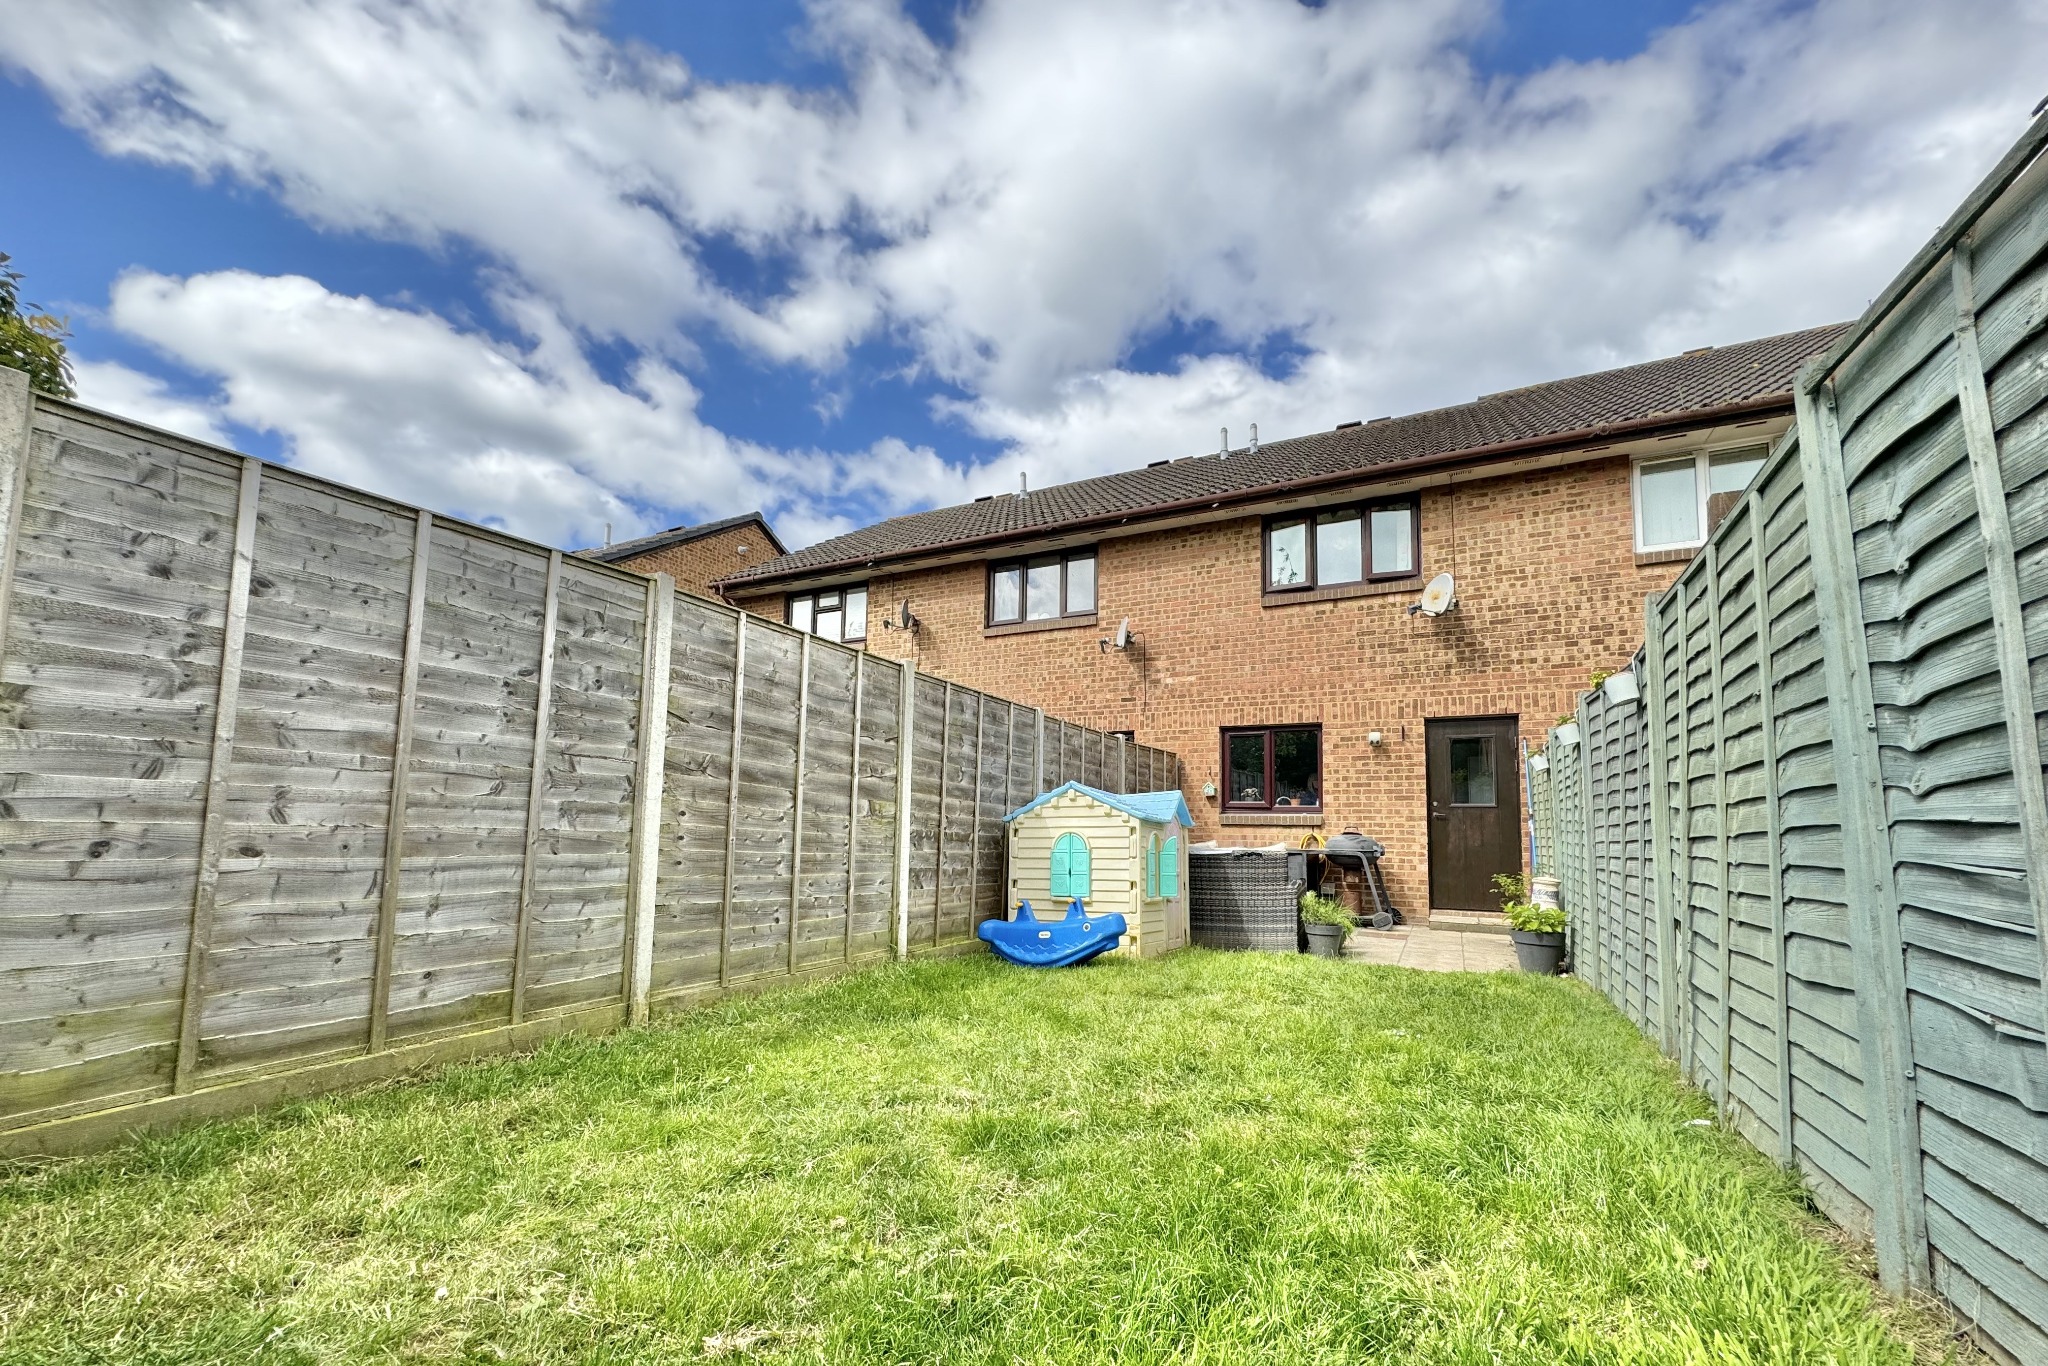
{"type": "Point", "coordinates": [299, 786]}
{"type": "Point", "coordinates": [1846, 712]}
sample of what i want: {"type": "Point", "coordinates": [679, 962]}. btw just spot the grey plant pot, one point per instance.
{"type": "Point", "coordinates": [1538, 952]}
{"type": "Point", "coordinates": [1325, 941]}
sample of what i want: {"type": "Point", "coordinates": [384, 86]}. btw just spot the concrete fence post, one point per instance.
{"type": "Point", "coordinates": [642, 871]}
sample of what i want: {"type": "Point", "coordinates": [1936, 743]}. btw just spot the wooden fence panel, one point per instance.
{"type": "Point", "coordinates": [121, 554]}
{"type": "Point", "coordinates": [1848, 709]}
{"type": "Point", "coordinates": [464, 830]}
{"type": "Point", "coordinates": [827, 809]}
{"type": "Point", "coordinates": [288, 968]}
{"type": "Point", "coordinates": [577, 940]}
{"type": "Point", "coordinates": [222, 684]}
{"type": "Point", "coordinates": [874, 923]}
{"type": "Point", "coordinates": [763, 871]}
{"type": "Point", "coordinates": [696, 790]}
{"type": "Point", "coordinates": [932, 736]}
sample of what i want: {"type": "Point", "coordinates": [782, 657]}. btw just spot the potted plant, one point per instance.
{"type": "Point", "coordinates": [1537, 931]}
{"type": "Point", "coordinates": [1327, 923]}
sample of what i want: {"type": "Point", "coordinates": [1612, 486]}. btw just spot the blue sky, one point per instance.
{"type": "Point", "coordinates": [645, 263]}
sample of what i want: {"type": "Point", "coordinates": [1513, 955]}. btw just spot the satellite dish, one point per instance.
{"type": "Point", "coordinates": [1438, 598]}
{"type": "Point", "coordinates": [904, 619]}
{"type": "Point", "coordinates": [1123, 635]}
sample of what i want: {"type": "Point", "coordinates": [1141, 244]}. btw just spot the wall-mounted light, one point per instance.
{"type": "Point", "coordinates": [1375, 739]}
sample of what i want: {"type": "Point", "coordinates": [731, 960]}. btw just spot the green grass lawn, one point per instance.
{"type": "Point", "coordinates": [1212, 1158]}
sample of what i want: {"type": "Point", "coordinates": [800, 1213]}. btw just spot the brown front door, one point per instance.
{"type": "Point", "coordinates": [1475, 810]}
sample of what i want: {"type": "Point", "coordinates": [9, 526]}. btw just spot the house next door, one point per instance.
{"type": "Point", "coordinates": [1475, 810]}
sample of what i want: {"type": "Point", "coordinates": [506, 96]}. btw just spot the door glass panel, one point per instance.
{"type": "Point", "coordinates": [1248, 768]}
{"type": "Point", "coordinates": [856, 614]}
{"type": "Point", "coordinates": [1006, 595]}
{"type": "Point", "coordinates": [828, 623]}
{"type": "Point", "coordinates": [1393, 541]}
{"type": "Point", "coordinates": [1287, 557]}
{"type": "Point", "coordinates": [1339, 552]}
{"type": "Point", "coordinates": [1296, 768]}
{"type": "Point", "coordinates": [1472, 771]}
{"type": "Point", "coordinates": [1081, 584]}
{"type": "Point", "coordinates": [800, 612]}
{"type": "Point", "coordinates": [1670, 494]}
{"type": "Point", "coordinates": [1042, 590]}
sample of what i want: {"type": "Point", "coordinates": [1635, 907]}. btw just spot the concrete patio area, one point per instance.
{"type": "Point", "coordinates": [1415, 946]}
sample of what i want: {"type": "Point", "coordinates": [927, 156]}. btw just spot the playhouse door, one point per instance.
{"type": "Point", "coordinates": [1475, 810]}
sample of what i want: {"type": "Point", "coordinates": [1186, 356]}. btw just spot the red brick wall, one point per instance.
{"type": "Point", "coordinates": [1548, 591]}
{"type": "Point", "coordinates": [695, 565]}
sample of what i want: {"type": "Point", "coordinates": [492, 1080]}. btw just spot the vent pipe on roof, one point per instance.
{"type": "Point", "coordinates": [1253, 449]}
{"type": "Point", "coordinates": [1023, 483]}
{"type": "Point", "coordinates": [607, 535]}
{"type": "Point", "coordinates": [1224, 449]}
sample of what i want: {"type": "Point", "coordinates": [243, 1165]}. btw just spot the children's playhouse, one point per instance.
{"type": "Point", "coordinates": [1124, 854]}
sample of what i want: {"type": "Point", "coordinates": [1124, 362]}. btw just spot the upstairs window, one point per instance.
{"type": "Point", "coordinates": [1343, 545]}
{"type": "Point", "coordinates": [1678, 497]}
{"type": "Point", "coordinates": [1042, 588]}
{"type": "Point", "coordinates": [1072, 875]}
{"type": "Point", "coordinates": [1276, 769]}
{"type": "Point", "coordinates": [833, 613]}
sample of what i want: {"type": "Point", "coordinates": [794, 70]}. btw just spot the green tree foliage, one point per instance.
{"type": "Point", "coordinates": [32, 340]}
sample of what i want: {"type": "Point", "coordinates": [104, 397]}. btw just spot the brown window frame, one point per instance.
{"type": "Point", "coordinates": [1023, 566]}
{"type": "Point", "coordinates": [1307, 518]}
{"type": "Point", "coordinates": [846, 636]}
{"type": "Point", "coordinates": [1232, 804]}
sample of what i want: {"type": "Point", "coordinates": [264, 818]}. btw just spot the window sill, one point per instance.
{"type": "Point", "coordinates": [1683, 554]}
{"type": "Point", "coordinates": [1375, 588]}
{"type": "Point", "coordinates": [1272, 818]}
{"type": "Point", "coordinates": [1021, 628]}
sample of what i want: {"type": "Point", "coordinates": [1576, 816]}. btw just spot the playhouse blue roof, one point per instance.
{"type": "Point", "coordinates": [1157, 807]}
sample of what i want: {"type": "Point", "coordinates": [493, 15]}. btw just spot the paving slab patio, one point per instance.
{"type": "Point", "coordinates": [1418, 946]}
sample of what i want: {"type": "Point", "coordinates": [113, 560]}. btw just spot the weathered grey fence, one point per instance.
{"type": "Point", "coordinates": [225, 684]}
{"type": "Point", "coordinates": [1813, 862]}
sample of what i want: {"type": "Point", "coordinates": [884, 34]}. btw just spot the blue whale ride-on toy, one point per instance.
{"type": "Point", "coordinates": [1033, 943]}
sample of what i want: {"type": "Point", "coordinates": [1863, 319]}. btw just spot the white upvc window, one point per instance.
{"type": "Point", "coordinates": [834, 613]}
{"type": "Point", "coordinates": [1673, 493]}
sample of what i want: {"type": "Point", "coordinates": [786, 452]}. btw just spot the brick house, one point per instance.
{"type": "Point", "coordinates": [1267, 590]}
{"type": "Point", "coordinates": [696, 557]}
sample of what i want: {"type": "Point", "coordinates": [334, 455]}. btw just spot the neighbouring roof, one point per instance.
{"type": "Point", "coordinates": [681, 535]}
{"type": "Point", "coordinates": [1156, 807]}
{"type": "Point", "coordinates": [1719, 381]}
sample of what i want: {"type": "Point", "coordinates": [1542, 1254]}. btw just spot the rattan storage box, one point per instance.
{"type": "Point", "coordinates": [1243, 899]}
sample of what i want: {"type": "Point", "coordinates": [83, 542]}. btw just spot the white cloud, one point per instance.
{"type": "Point", "coordinates": [1022, 208]}
{"type": "Point", "coordinates": [148, 398]}
{"type": "Point", "coordinates": [404, 403]}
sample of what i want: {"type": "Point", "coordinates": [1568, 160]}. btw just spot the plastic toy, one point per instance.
{"type": "Point", "coordinates": [1033, 943]}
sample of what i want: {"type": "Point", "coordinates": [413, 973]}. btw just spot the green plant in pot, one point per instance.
{"type": "Point", "coordinates": [1327, 922]}
{"type": "Point", "coordinates": [1537, 931]}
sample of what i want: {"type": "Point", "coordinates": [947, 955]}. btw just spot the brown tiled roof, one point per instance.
{"type": "Point", "coordinates": [679, 535]}
{"type": "Point", "coordinates": [1671, 392]}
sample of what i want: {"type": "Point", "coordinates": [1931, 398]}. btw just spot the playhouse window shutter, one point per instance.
{"type": "Point", "coordinates": [1071, 873]}
{"type": "Point", "coordinates": [1169, 867]}
{"type": "Point", "coordinates": [1151, 865]}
